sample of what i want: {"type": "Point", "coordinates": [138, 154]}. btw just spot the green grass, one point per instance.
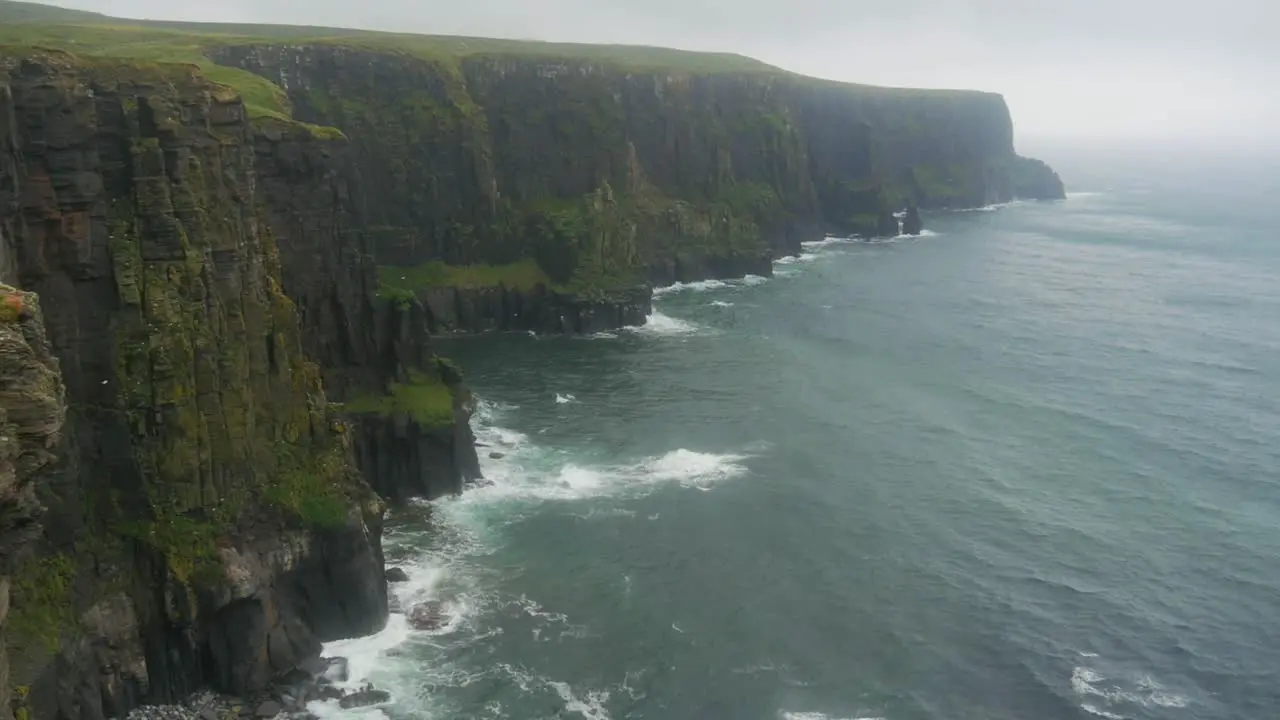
{"type": "Point", "coordinates": [521, 275]}
{"type": "Point", "coordinates": [426, 398]}
{"type": "Point", "coordinates": [189, 545]}
{"type": "Point", "coordinates": [28, 25]}
{"type": "Point", "coordinates": [33, 24]}
{"type": "Point", "coordinates": [312, 487]}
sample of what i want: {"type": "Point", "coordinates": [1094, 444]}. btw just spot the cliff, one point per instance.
{"type": "Point", "coordinates": [504, 190]}
{"type": "Point", "coordinates": [32, 411]}
{"type": "Point", "coordinates": [530, 186]}
{"type": "Point", "coordinates": [234, 243]}
{"type": "Point", "coordinates": [205, 524]}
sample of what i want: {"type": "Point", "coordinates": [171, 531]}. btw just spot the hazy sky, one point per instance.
{"type": "Point", "coordinates": [1066, 67]}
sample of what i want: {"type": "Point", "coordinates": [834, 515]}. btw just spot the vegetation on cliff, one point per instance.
{"type": "Point", "coordinates": [605, 165]}
{"type": "Point", "coordinates": [201, 431]}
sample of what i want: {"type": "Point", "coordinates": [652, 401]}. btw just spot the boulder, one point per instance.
{"type": "Point", "coordinates": [337, 670]}
{"type": "Point", "coordinates": [497, 455]}
{"type": "Point", "coordinates": [911, 222]}
{"type": "Point", "coordinates": [268, 709]}
{"type": "Point", "coordinates": [397, 575]}
{"type": "Point", "coordinates": [427, 616]}
{"type": "Point", "coordinates": [364, 698]}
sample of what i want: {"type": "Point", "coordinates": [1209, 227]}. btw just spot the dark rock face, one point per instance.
{"type": "Point", "coordinates": [32, 412]}
{"type": "Point", "coordinates": [887, 225]}
{"type": "Point", "coordinates": [318, 215]}
{"type": "Point", "coordinates": [1035, 180]}
{"type": "Point", "coordinates": [364, 698]}
{"type": "Point", "coordinates": [601, 174]}
{"type": "Point", "coordinates": [427, 616]}
{"type": "Point", "coordinates": [911, 222]}
{"type": "Point", "coordinates": [466, 310]}
{"type": "Point", "coordinates": [177, 550]}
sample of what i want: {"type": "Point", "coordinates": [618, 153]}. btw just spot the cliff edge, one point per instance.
{"type": "Point", "coordinates": [206, 522]}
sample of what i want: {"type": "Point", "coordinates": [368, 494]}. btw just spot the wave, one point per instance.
{"type": "Point", "coordinates": [721, 303]}
{"type": "Point", "coordinates": [793, 259]}
{"type": "Point", "coordinates": [516, 478]}
{"type": "Point", "coordinates": [564, 399]}
{"type": "Point", "coordinates": [443, 565]}
{"type": "Point", "coordinates": [826, 242]}
{"type": "Point", "coordinates": [695, 286]}
{"type": "Point", "coordinates": [787, 715]}
{"type": "Point", "coordinates": [1110, 697]}
{"type": "Point", "coordinates": [659, 324]}
{"type": "Point", "coordinates": [924, 233]}
{"type": "Point", "coordinates": [704, 285]}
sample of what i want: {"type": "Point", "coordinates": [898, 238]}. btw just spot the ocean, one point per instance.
{"type": "Point", "coordinates": [1026, 466]}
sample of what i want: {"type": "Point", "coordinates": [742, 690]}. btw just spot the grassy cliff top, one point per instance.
{"type": "Point", "coordinates": [88, 33]}
{"type": "Point", "coordinates": [24, 23]}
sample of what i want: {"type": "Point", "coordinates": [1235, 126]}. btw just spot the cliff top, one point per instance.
{"type": "Point", "coordinates": [25, 24]}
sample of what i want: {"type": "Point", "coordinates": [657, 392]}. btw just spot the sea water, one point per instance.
{"type": "Point", "coordinates": [1026, 466]}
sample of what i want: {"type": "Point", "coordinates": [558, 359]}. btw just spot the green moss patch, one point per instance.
{"type": "Point", "coordinates": [188, 544]}
{"type": "Point", "coordinates": [424, 397]}
{"type": "Point", "coordinates": [41, 597]}
{"type": "Point", "coordinates": [311, 487]}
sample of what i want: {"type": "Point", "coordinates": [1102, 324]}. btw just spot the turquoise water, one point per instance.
{"type": "Point", "coordinates": [1023, 467]}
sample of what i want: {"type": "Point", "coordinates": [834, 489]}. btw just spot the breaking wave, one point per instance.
{"type": "Point", "coordinates": [442, 565]}
{"type": "Point", "coordinates": [1122, 696]}
{"type": "Point", "coordinates": [659, 324]}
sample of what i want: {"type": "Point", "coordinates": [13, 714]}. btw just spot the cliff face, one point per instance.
{"type": "Point", "coordinates": [609, 177]}
{"type": "Point", "coordinates": [230, 350]}
{"type": "Point", "coordinates": [205, 523]}
{"type": "Point", "coordinates": [375, 352]}
{"type": "Point", "coordinates": [32, 410]}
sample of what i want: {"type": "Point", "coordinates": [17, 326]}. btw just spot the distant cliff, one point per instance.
{"type": "Point", "coordinates": [609, 176]}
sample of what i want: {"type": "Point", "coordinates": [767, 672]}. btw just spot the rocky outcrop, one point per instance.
{"type": "Point", "coordinates": [313, 202]}
{"type": "Point", "coordinates": [32, 411]}
{"type": "Point", "coordinates": [911, 222]}
{"type": "Point", "coordinates": [205, 523]}
{"type": "Point", "coordinates": [1035, 180]}
{"type": "Point", "coordinates": [540, 310]}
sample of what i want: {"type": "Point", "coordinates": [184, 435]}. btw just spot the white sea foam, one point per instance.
{"type": "Point", "coordinates": [787, 715]}
{"type": "Point", "coordinates": [704, 285]}
{"type": "Point", "coordinates": [564, 399]}
{"type": "Point", "coordinates": [826, 242]}
{"type": "Point", "coordinates": [794, 259]}
{"type": "Point", "coordinates": [659, 324]}
{"type": "Point", "coordinates": [1116, 694]}
{"type": "Point", "coordinates": [590, 706]}
{"type": "Point", "coordinates": [403, 660]}
{"type": "Point", "coordinates": [926, 232]}
{"type": "Point", "coordinates": [1092, 710]}
{"type": "Point", "coordinates": [517, 478]}
{"type": "Point", "coordinates": [696, 286]}
{"type": "Point", "coordinates": [721, 303]}
{"type": "Point", "coordinates": [689, 467]}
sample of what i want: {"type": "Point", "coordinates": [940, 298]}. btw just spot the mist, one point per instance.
{"type": "Point", "coordinates": [1129, 69]}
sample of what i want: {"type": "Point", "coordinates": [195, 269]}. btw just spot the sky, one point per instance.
{"type": "Point", "coordinates": [1067, 68]}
